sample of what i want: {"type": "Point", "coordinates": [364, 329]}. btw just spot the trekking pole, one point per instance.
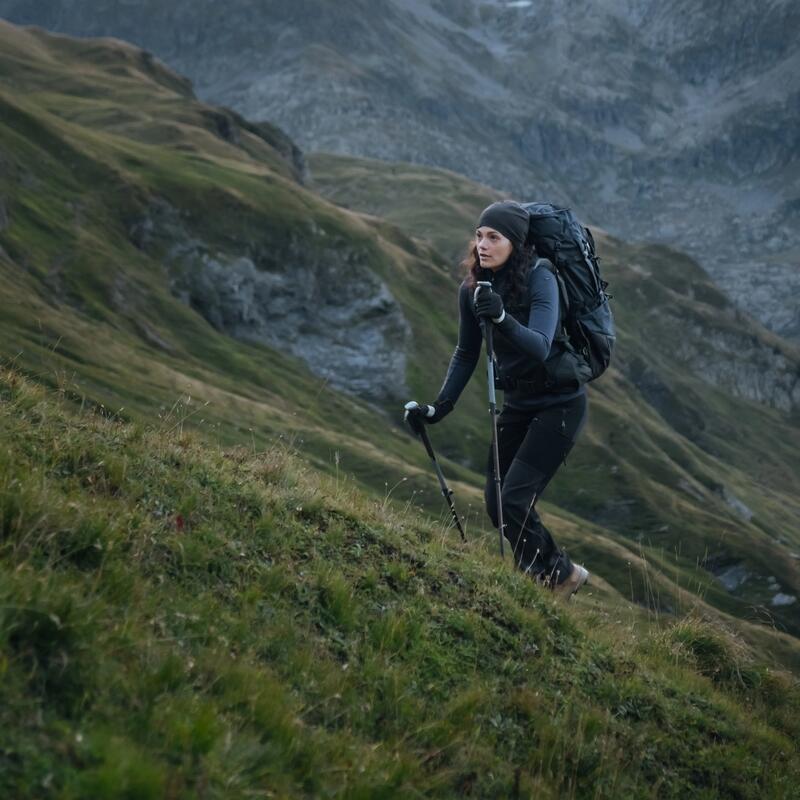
{"type": "Point", "coordinates": [487, 332]}
{"type": "Point", "coordinates": [419, 428]}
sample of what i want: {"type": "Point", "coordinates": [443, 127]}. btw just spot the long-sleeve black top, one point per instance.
{"type": "Point", "coordinates": [522, 341]}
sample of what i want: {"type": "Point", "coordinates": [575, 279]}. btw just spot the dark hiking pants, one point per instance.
{"type": "Point", "coordinates": [532, 447]}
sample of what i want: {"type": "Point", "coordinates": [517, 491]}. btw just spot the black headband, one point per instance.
{"type": "Point", "coordinates": [509, 218]}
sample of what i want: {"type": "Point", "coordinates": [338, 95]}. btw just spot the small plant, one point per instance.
{"type": "Point", "coordinates": [714, 651]}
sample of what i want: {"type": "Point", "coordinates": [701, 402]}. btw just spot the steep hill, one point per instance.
{"type": "Point", "coordinates": [163, 258]}
{"type": "Point", "coordinates": [670, 120]}
{"type": "Point", "coordinates": [671, 410]}
{"type": "Point", "coordinates": [179, 619]}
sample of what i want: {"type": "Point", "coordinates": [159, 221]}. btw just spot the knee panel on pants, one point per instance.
{"type": "Point", "coordinates": [521, 487]}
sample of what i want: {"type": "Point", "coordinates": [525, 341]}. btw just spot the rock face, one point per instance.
{"type": "Point", "coordinates": [357, 343]}
{"type": "Point", "coordinates": [321, 304]}
{"type": "Point", "coordinates": [740, 363]}
{"type": "Point", "coordinates": [673, 120]}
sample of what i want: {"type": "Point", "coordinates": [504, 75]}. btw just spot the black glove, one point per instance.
{"type": "Point", "coordinates": [416, 414]}
{"type": "Point", "coordinates": [489, 305]}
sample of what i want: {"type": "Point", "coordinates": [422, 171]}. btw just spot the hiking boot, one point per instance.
{"type": "Point", "coordinates": [577, 578]}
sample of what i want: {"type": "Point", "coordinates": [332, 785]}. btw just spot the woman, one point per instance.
{"type": "Point", "coordinates": [537, 426]}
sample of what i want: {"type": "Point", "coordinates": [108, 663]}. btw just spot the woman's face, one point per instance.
{"type": "Point", "coordinates": [493, 248]}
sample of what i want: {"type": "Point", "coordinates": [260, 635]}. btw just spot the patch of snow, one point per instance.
{"type": "Point", "coordinates": [624, 137]}
{"type": "Point", "coordinates": [736, 504]}
{"type": "Point", "coordinates": [690, 489]}
{"type": "Point", "coordinates": [781, 599]}
{"type": "Point", "coordinates": [733, 577]}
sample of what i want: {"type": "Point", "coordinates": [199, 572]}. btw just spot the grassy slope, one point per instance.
{"type": "Point", "coordinates": [182, 619]}
{"type": "Point", "coordinates": [86, 306]}
{"type": "Point", "coordinates": [386, 189]}
{"type": "Point", "coordinates": [101, 130]}
{"type": "Point", "coordinates": [653, 460]}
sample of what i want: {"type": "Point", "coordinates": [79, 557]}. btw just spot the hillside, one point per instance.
{"type": "Point", "coordinates": [182, 619]}
{"type": "Point", "coordinates": [675, 441]}
{"type": "Point", "coordinates": [161, 257]}
{"type": "Point", "coordinates": [125, 204]}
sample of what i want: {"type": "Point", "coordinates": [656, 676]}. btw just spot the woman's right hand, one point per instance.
{"type": "Point", "coordinates": [416, 414]}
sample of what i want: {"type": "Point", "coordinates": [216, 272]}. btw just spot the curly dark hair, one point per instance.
{"type": "Point", "coordinates": [519, 262]}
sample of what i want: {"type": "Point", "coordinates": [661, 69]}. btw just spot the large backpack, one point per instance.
{"type": "Point", "coordinates": [586, 327]}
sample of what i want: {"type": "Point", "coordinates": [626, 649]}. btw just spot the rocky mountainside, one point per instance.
{"type": "Point", "coordinates": [675, 121]}
{"type": "Point", "coordinates": [667, 300]}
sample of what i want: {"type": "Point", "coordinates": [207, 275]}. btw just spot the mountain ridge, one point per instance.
{"type": "Point", "coordinates": [627, 110]}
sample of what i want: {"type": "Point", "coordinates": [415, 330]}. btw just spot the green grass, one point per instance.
{"type": "Point", "coordinates": [179, 618]}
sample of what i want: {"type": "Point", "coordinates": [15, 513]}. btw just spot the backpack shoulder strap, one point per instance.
{"type": "Point", "coordinates": [563, 299]}
{"type": "Point", "coordinates": [545, 263]}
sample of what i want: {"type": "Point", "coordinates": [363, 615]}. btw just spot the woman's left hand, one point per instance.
{"type": "Point", "coordinates": [489, 304]}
